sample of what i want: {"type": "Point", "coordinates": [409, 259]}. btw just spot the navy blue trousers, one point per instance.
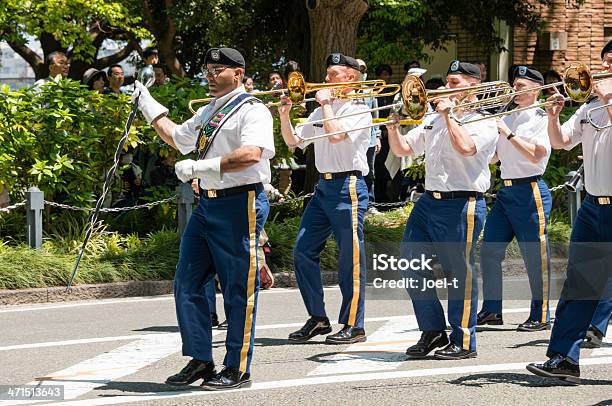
{"type": "Point", "coordinates": [603, 312]}
{"type": "Point", "coordinates": [338, 206]}
{"type": "Point", "coordinates": [221, 236]}
{"type": "Point", "coordinates": [588, 274]}
{"type": "Point", "coordinates": [521, 211]}
{"type": "Point", "coordinates": [449, 229]}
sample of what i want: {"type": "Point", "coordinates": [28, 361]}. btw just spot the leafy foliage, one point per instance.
{"type": "Point", "coordinates": [397, 30]}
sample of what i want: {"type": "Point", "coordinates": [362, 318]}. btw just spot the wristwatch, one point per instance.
{"type": "Point", "coordinates": [510, 136]}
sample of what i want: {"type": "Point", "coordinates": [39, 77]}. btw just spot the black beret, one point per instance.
{"type": "Point", "coordinates": [224, 56]}
{"type": "Point", "coordinates": [528, 73]}
{"type": "Point", "coordinates": [607, 48]}
{"type": "Point", "coordinates": [464, 68]}
{"type": "Point", "coordinates": [338, 59]}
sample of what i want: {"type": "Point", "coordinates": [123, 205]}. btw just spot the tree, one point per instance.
{"type": "Point", "coordinates": [397, 30]}
{"type": "Point", "coordinates": [77, 27]}
{"type": "Point", "coordinates": [333, 28]}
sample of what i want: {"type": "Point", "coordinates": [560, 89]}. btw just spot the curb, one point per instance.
{"type": "Point", "coordinates": [511, 267]}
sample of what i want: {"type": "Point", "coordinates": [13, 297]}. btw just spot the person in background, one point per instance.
{"type": "Point", "coordinates": [116, 78]}
{"type": "Point", "coordinates": [161, 78]}
{"type": "Point", "coordinates": [150, 56]}
{"type": "Point", "coordinates": [374, 147]}
{"type": "Point", "coordinates": [58, 64]}
{"type": "Point", "coordinates": [483, 70]}
{"type": "Point", "coordinates": [275, 80]}
{"type": "Point", "coordinates": [382, 179]}
{"type": "Point", "coordinates": [410, 65]}
{"type": "Point", "coordinates": [94, 79]}
{"type": "Point", "coordinates": [248, 84]}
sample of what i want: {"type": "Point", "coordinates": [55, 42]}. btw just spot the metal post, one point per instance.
{"type": "Point", "coordinates": [184, 199]}
{"type": "Point", "coordinates": [35, 202]}
{"type": "Point", "coordinates": [574, 199]}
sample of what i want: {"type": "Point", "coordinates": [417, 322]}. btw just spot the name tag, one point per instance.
{"type": "Point", "coordinates": [428, 127]}
{"type": "Point", "coordinates": [584, 121]}
{"type": "Point", "coordinates": [320, 125]}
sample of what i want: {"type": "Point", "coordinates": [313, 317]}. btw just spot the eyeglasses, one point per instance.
{"type": "Point", "coordinates": [214, 72]}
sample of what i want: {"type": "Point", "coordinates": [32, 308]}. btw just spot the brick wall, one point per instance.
{"type": "Point", "coordinates": [585, 35]}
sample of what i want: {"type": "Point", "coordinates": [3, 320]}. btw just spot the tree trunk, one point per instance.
{"type": "Point", "coordinates": [333, 28]}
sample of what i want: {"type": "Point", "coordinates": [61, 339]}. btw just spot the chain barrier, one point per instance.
{"type": "Point", "coordinates": [14, 206]}
{"type": "Point", "coordinates": [172, 199]}
{"type": "Point", "coordinates": [113, 209]}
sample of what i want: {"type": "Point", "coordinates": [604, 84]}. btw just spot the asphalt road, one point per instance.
{"type": "Point", "coordinates": [120, 352]}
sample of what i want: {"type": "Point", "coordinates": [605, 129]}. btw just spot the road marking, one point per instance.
{"type": "Point", "coordinates": [72, 342]}
{"type": "Point", "coordinates": [321, 380]}
{"type": "Point", "coordinates": [85, 376]}
{"type": "Point", "coordinates": [384, 350]}
{"type": "Point", "coordinates": [605, 349]}
{"type": "Point", "coordinates": [138, 336]}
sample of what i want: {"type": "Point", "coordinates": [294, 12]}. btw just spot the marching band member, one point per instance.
{"type": "Point", "coordinates": [521, 208]}
{"type": "Point", "coordinates": [338, 205]}
{"type": "Point", "coordinates": [448, 218]}
{"type": "Point", "coordinates": [588, 270]}
{"type": "Point", "coordinates": [234, 137]}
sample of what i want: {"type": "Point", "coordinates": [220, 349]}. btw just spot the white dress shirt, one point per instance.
{"type": "Point", "coordinates": [446, 170]}
{"type": "Point", "coordinates": [250, 125]}
{"type": "Point", "coordinates": [531, 126]}
{"type": "Point", "coordinates": [596, 147]}
{"type": "Point", "coordinates": [346, 155]}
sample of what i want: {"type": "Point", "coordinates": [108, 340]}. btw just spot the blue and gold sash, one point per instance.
{"type": "Point", "coordinates": [211, 129]}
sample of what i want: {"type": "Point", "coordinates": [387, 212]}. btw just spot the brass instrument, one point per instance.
{"type": "Point", "coordinates": [577, 82]}
{"type": "Point", "coordinates": [592, 122]}
{"type": "Point", "coordinates": [297, 88]}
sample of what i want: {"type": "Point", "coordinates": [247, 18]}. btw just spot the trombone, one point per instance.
{"type": "Point", "coordinates": [414, 103]}
{"type": "Point", "coordinates": [592, 122]}
{"type": "Point", "coordinates": [297, 88]}
{"type": "Point", "coordinates": [577, 82]}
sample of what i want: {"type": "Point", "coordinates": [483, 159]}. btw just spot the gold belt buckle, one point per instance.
{"type": "Point", "coordinates": [437, 195]}
{"type": "Point", "coordinates": [327, 176]}
{"type": "Point", "coordinates": [211, 194]}
{"type": "Point", "coordinates": [603, 200]}
{"type": "Point", "coordinates": [508, 182]}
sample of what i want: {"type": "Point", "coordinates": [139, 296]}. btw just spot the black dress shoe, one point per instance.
{"type": "Point", "coordinates": [348, 335]}
{"type": "Point", "coordinates": [222, 325]}
{"type": "Point", "coordinates": [194, 370]}
{"type": "Point", "coordinates": [314, 326]}
{"type": "Point", "coordinates": [484, 318]}
{"type": "Point", "coordinates": [532, 325]}
{"type": "Point", "coordinates": [454, 351]}
{"type": "Point", "coordinates": [214, 319]}
{"type": "Point", "coordinates": [429, 341]}
{"type": "Point", "coordinates": [557, 367]}
{"type": "Point", "coordinates": [593, 339]}
{"type": "Point", "coordinates": [228, 378]}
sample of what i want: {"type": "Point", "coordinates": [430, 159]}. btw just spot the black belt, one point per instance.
{"type": "Point", "coordinates": [339, 175]}
{"type": "Point", "coordinates": [518, 181]}
{"type": "Point", "coordinates": [213, 194]}
{"type": "Point", "coordinates": [454, 195]}
{"type": "Point", "coordinates": [600, 200]}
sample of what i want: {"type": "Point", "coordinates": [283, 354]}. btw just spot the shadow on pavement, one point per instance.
{"type": "Point", "coordinates": [521, 379]}
{"type": "Point", "coordinates": [144, 387]}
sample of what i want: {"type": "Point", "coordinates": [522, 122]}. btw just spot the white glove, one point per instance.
{"type": "Point", "coordinates": [204, 168]}
{"type": "Point", "coordinates": [151, 108]}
